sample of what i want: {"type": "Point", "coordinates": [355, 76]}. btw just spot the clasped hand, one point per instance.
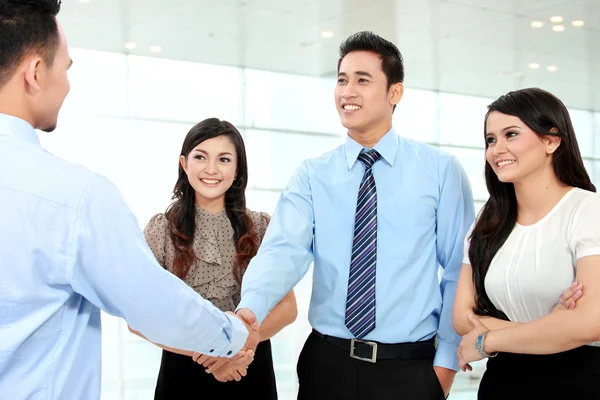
{"type": "Point", "coordinates": [235, 368]}
{"type": "Point", "coordinates": [467, 352]}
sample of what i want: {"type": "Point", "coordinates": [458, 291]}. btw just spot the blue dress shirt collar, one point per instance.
{"type": "Point", "coordinates": [387, 147]}
{"type": "Point", "coordinates": [18, 128]}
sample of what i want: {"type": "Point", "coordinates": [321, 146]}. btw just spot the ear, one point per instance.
{"type": "Point", "coordinates": [32, 73]}
{"type": "Point", "coordinates": [183, 162]}
{"type": "Point", "coordinates": [395, 93]}
{"type": "Point", "coordinates": [552, 142]}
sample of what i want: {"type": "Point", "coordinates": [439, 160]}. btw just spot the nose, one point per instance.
{"type": "Point", "coordinates": [499, 148]}
{"type": "Point", "coordinates": [211, 167]}
{"type": "Point", "coordinates": [349, 91]}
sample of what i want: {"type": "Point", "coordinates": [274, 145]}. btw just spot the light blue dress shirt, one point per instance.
{"type": "Point", "coordinates": [70, 247]}
{"type": "Point", "coordinates": [424, 209]}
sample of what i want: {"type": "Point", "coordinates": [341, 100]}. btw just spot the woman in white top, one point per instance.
{"type": "Point", "coordinates": [538, 234]}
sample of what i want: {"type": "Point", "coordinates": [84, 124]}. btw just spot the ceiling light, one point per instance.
{"type": "Point", "coordinates": [155, 49]}
{"type": "Point", "coordinates": [556, 19]}
{"type": "Point", "coordinates": [552, 68]}
{"type": "Point", "coordinates": [327, 34]}
{"type": "Point", "coordinates": [577, 23]}
{"type": "Point", "coordinates": [558, 28]}
{"type": "Point", "coordinates": [537, 24]}
{"type": "Point", "coordinates": [130, 45]}
{"type": "Point", "coordinates": [534, 65]}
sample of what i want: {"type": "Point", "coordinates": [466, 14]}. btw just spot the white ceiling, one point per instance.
{"type": "Point", "coordinates": [476, 47]}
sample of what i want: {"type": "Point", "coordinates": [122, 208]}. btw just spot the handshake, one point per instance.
{"type": "Point", "coordinates": [234, 368]}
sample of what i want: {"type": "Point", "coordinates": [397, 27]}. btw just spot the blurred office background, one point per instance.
{"type": "Point", "coordinates": [146, 70]}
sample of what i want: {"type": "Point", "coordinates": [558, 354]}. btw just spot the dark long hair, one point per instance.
{"type": "Point", "coordinates": [546, 115]}
{"type": "Point", "coordinates": [181, 214]}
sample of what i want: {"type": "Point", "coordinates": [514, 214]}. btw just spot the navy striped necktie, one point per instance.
{"type": "Point", "coordinates": [360, 303]}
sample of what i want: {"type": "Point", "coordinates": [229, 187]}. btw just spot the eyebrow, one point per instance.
{"type": "Point", "coordinates": [360, 73]}
{"type": "Point", "coordinates": [220, 154]}
{"type": "Point", "coordinates": [505, 129]}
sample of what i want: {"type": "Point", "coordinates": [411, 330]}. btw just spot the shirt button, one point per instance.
{"type": "Point", "coordinates": [229, 352]}
{"type": "Point", "coordinates": [212, 350]}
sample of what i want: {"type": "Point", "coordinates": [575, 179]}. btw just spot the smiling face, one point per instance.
{"type": "Point", "coordinates": [211, 168]}
{"type": "Point", "coordinates": [514, 151]}
{"type": "Point", "coordinates": [362, 98]}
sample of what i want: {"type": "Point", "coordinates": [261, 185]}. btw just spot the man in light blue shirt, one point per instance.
{"type": "Point", "coordinates": [69, 245]}
{"type": "Point", "coordinates": [377, 224]}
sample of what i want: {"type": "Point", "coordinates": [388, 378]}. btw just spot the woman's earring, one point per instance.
{"type": "Point", "coordinates": [549, 147]}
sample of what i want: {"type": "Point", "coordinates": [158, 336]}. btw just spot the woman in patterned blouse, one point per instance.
{"type": "Point", "coordinates": [207, 237]}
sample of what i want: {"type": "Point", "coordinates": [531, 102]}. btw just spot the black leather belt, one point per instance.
{"type": "Point", "coordinates": [369, 351]}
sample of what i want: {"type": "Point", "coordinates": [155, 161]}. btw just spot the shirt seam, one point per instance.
{"type": "Point", "coordinates": [72, 232]}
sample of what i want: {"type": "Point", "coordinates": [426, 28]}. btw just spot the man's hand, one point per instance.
{"type": "Point", "coordinates": [249, 319]}
{"type": "Point", "coordinates": [228, 372]}
{"type": "Point", "coordinates": [446, 378]}
{"type": "Point", "coordinates": [241, 360]}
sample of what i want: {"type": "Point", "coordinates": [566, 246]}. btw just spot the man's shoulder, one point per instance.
{"type": "Point", "coordinates": [53, 179]}
{"type": "Point", "coordinates": [326, 159]}
{"type": "Point", "coordinates": [422, 148]}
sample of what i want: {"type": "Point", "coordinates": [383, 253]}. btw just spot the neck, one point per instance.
{"type": "Point", "coordinates": [369, 138]}
{"type": "Point", "coordinates": [537, 195]}
{"type": "Point", "coordinates": [11, 103]}
{"type": "Point", "coordinates": [212, 206]}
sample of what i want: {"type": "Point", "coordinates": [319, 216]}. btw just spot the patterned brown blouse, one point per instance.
{"type": "Point", "coordinates": [211, 275]}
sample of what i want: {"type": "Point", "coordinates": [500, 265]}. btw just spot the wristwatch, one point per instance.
{"type": "Point", "coordinates": [479, 346]}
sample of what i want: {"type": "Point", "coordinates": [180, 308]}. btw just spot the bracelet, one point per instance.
{"type": "Point", "coordinates": [479, 346]}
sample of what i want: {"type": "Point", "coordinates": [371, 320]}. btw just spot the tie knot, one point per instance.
{"type": "Point", "coordinates": [369, 157]}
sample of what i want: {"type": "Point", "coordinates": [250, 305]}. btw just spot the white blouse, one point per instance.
{"type": "Point", "coordinates": [538, 262]}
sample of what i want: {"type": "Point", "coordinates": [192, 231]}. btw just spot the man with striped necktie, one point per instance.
{"type": "Point", "coordinates": [378, 215]}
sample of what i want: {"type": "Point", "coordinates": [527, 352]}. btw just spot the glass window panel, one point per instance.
{"type": "Point", "coordinates": [583, 123]}
{"type": "Point", "coordinates": [183, 91]}
{"type": "Point", "coordinates": [415, 115]}
{"type": "Point", "coordinates": [141, 361]}
{"type": "Point", "coordinates": [274, 157]}
{"type": "Point", "coordinates": [98, 85]}
{"type": "Point", "coordinates": [262, 200]}
{"type": "Point", "coordinates": [590, 168]}
{"type": "Point", "coordinates": [291, 102]}
{"type": "Point", "coordinates": [596, 136]}
{"type": "Point", "coordinates": [141, 157]}
{"type": "Point", "coordinates": [462, 119]}
{"type": "Point", "coordinates": [478, 206]}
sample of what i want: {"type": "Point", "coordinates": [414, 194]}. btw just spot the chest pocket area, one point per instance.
{"type": "Point", "coordinates": [406, 226]}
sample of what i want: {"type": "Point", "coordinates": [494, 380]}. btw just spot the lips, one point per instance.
{"type": "Point", "coordinates": [504, 163]}
{"type": "Point", "coordinates": [210, 181]}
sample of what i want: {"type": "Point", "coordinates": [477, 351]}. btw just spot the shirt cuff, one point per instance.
{"type": "Point", "coordinates": [256, 305]}
{"type": "Point", "coordinates": [229, 339]}
{"type": "Point", "coordinates": [445, 356]}
{"type": "Point", "coordinates": [237, 337]}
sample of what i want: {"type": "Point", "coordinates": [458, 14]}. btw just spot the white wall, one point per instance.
{"type": "Point", "coordinates": [126, 118]}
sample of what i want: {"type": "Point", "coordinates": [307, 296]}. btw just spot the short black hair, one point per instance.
{"type": "Point", "coordinates": [392, 62]}
{"type": "Point", "coordinates": [26, 27]}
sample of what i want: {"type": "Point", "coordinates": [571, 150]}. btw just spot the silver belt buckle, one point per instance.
{"type": "Point", "coordinates": [372, 359]}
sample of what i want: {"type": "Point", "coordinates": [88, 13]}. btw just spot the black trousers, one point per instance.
{"type": "Point", "coordinates": [327, 372]}
{"type": "Point", "coordinates": [180, 378]}
{"type": "Point", "coordinates": [573, 374]}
